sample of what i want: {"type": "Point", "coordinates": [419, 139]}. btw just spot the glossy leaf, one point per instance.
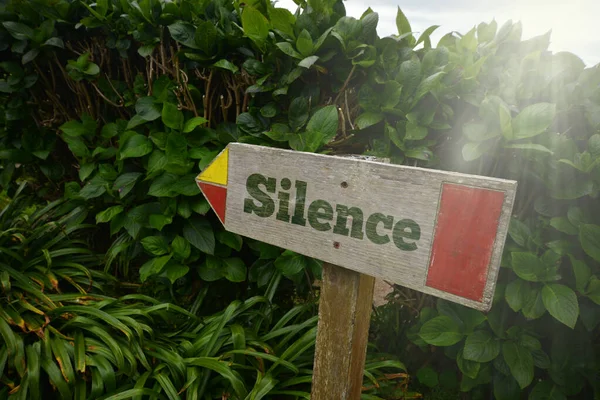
{"type": "Point", "coordinates": [561, 303]}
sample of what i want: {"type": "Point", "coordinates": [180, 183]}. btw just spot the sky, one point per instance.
{"type": "Point", "coordinates": [573, 23]}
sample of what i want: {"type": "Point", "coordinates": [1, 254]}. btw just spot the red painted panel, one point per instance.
{"type": "Point", "coordinates": [467, 224]}
{"type": "Point", "coordinates": [217, 197]}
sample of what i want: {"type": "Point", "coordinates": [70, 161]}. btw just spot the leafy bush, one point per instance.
{"type": "Point", "coordinates": [114, 106]}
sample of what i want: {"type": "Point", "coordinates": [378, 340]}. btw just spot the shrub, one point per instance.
{"type": "Point", "coordinates": [115, 106]}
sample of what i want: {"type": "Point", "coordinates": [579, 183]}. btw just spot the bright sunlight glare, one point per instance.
{"type": "Point", "coordinates": [572, 22]}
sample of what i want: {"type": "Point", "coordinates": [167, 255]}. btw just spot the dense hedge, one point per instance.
{"type": "Point", "coordinates": [114, 106]}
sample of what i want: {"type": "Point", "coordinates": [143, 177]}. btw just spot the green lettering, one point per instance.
{"type": "Point", "coordinates": [371, 227]}
{"type": "Point", "coordinates": [298, 218]}
{"type": "Point", "coordinates": [315, 214]}
{"type": "Point", "coordinates": [342, 221]}
{"type": "Point", "coordinates": [266, 205]}
{"type": "Point", "coordinates": [284, 205]}
{"type": "Point", "coordinates": [406, 229]}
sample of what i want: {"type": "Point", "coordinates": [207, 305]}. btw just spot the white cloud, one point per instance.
{"type": "Point", "coordinates": [572, 23]}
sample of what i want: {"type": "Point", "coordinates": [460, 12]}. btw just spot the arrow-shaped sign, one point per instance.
{"type": "Point", "coordinates": [438, 232]}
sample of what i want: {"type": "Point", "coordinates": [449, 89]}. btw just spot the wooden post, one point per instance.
{"type": "Point", "coordinates": [342, 334]}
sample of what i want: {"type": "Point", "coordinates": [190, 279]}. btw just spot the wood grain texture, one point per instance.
{"type": "Point", "coordinates": [393, 191]}
{"type": "Point", "coordinates": [343, 334]}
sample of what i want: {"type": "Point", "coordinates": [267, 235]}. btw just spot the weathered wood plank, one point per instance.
{"type": "Point", "coordinates": [374, 218]}
{"type": "Point", "coordinates": [343, 333]}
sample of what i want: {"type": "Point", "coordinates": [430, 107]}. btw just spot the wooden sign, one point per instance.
{"type": "Point", "coordinates": [438, 232]}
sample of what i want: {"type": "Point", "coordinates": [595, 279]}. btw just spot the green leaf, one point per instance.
{"type": "Point", "coordinates": [546, 390]}
{"type": "Point", "coordinates": [191, 124]}
{"type": "Point", "coordinates": [467, 367]}
{"type": "Point", "coordinates": [427, 85]}
{"type": "Point", "coordinates": [561, 303]}
{"type": "Point", "coordinates": [181, 248]}
{"type": "Point", "coordinates": [235, 269]}
{"type": "Point", "coordinates": [147, 108]}
{"type": "Point", "coordinates": [30, 56]}
{"type": "Point", "coordinates": [410, 75]}
{"type": "Point", "coordinates": [108, 214]}
{"type": "Point", "coordinates": [92, 69]}
{"type": "Point", "coordinates": [425, 36]}
{"type": "Point", "coordinates": [153, 267]}
{"type": "Point", "coordinates": [86, 170]}
{"type": "Point", "coordinates": [533, 307]}
{"type": "Point", "coordinates": [226, 64]}
{"type": "Point", "coordinates": [324, 121]}
{"type": "Point", "coordinates": [562, 224]}
{"type": "Point", "coordinates": [18, 30]}
{"type": "Point", "coordinates": [230, 239]}
{"type": "Point", "coordinates": [593, 290]}
{"type": "Point", "coordinates": [304, 43]}
{"type": "Point", "coordinates": [478, 132]}
{"type": "Point", "coordinates": [159, 221]}
{"type": "Point", "coordinates": [135, 121]}
{"type": "Point", "coordinates": [282, 20]}
{"type": "Point", "coordinates": [589, 236]}
{"type": "Point", "coordinates": [206, 37]}
{"type": "Point", "coordinates": [308, 62]}
{"type": "Point", "coordinates": [368, 119]}
{"type": "Point", "coordinates": [529, 146]}
{"type": "Point", "coordinates": [486, 32]}
{"type": "Point", "coordinates": [473, 150]}
{"type": "Point", "coordinates": [135, 146]}
{"type": "Point", "coordinates": [441, 331]}
{"type": "Point", "coordinates": [420, 153]}
{"type": "Point", "coordinates": [131, 393]}
{"type": "Point", "coordinates": [528, 266]}
{"type": "Point", "coordinates": [402, 24]}
{"type": "Point", "coordinates": [177, 149]}
{"type": "Point", "coordinates": [157, 162]}
{"type": "Point", "coordinates": [576, 216]}
{"type": "Point", "coordinates": [516, 294]}
{"type": "Point", "coordinates": [125, 183]}
{"type": "Point", "coordinates": [428, 377]}
{"type": "Point", "coordinates": [94, 188]}
{"type": "Point", "coordinates": [176, 271]}
{"type": "Point", "coordinates": [146, 51]}
{"type": "Point", "coordinates": [415, 132]}
{"type": "Point", "coordinates": [466, 318]}
{"type": "Point", "coordinates": [582, 274]}
{"type": "Point", "coordinates": [79, 356]}
{"type": "Point", "coordinates": [155, 245]}
{"type": "Point", "coordinates": [255, 25]}
{"type": "Point", "coordinates": [290, 263]}
{"type": "Point", "coordinates": [74, 128]}
{"type": "Point", "coordinates": [184, 33]}
{"type": "Point", "coordinates": [298, 113]}
{"type": "Point", "coordinates": [533, 120]}
{"type": "Point", "coordinates": [594, 145]}
{"type": "Point", "coordinates": [505, 386]}
{"type": "Point", "coordinates": [519, 232]}
{"type": "Point", "coordinates": [211, 270]}
{"type": "Point", "coordinates": [520, 362]}
{"type": "Point", "coordinates": [172, 116]}
{"type": "Point", "coordinates": [199, 233]}
{"type": "Point", "coordinates": [481, 346]}
{"type": "Point", "coordinates": [288, 49]}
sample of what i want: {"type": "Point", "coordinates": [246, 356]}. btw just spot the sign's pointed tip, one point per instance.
{"type": "Point", "coordinates": [217, 198]}
{"type": "Point", "coordinates": [216, 172]}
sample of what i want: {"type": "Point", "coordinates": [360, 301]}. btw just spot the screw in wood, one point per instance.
{"type": "Point", "coordinates": [344, 184]}
{"type": "Point", "coordinates": [336, 245]}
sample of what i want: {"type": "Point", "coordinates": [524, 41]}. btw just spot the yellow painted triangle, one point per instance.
{"type": "Point", "coordinates": [216, 172]}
